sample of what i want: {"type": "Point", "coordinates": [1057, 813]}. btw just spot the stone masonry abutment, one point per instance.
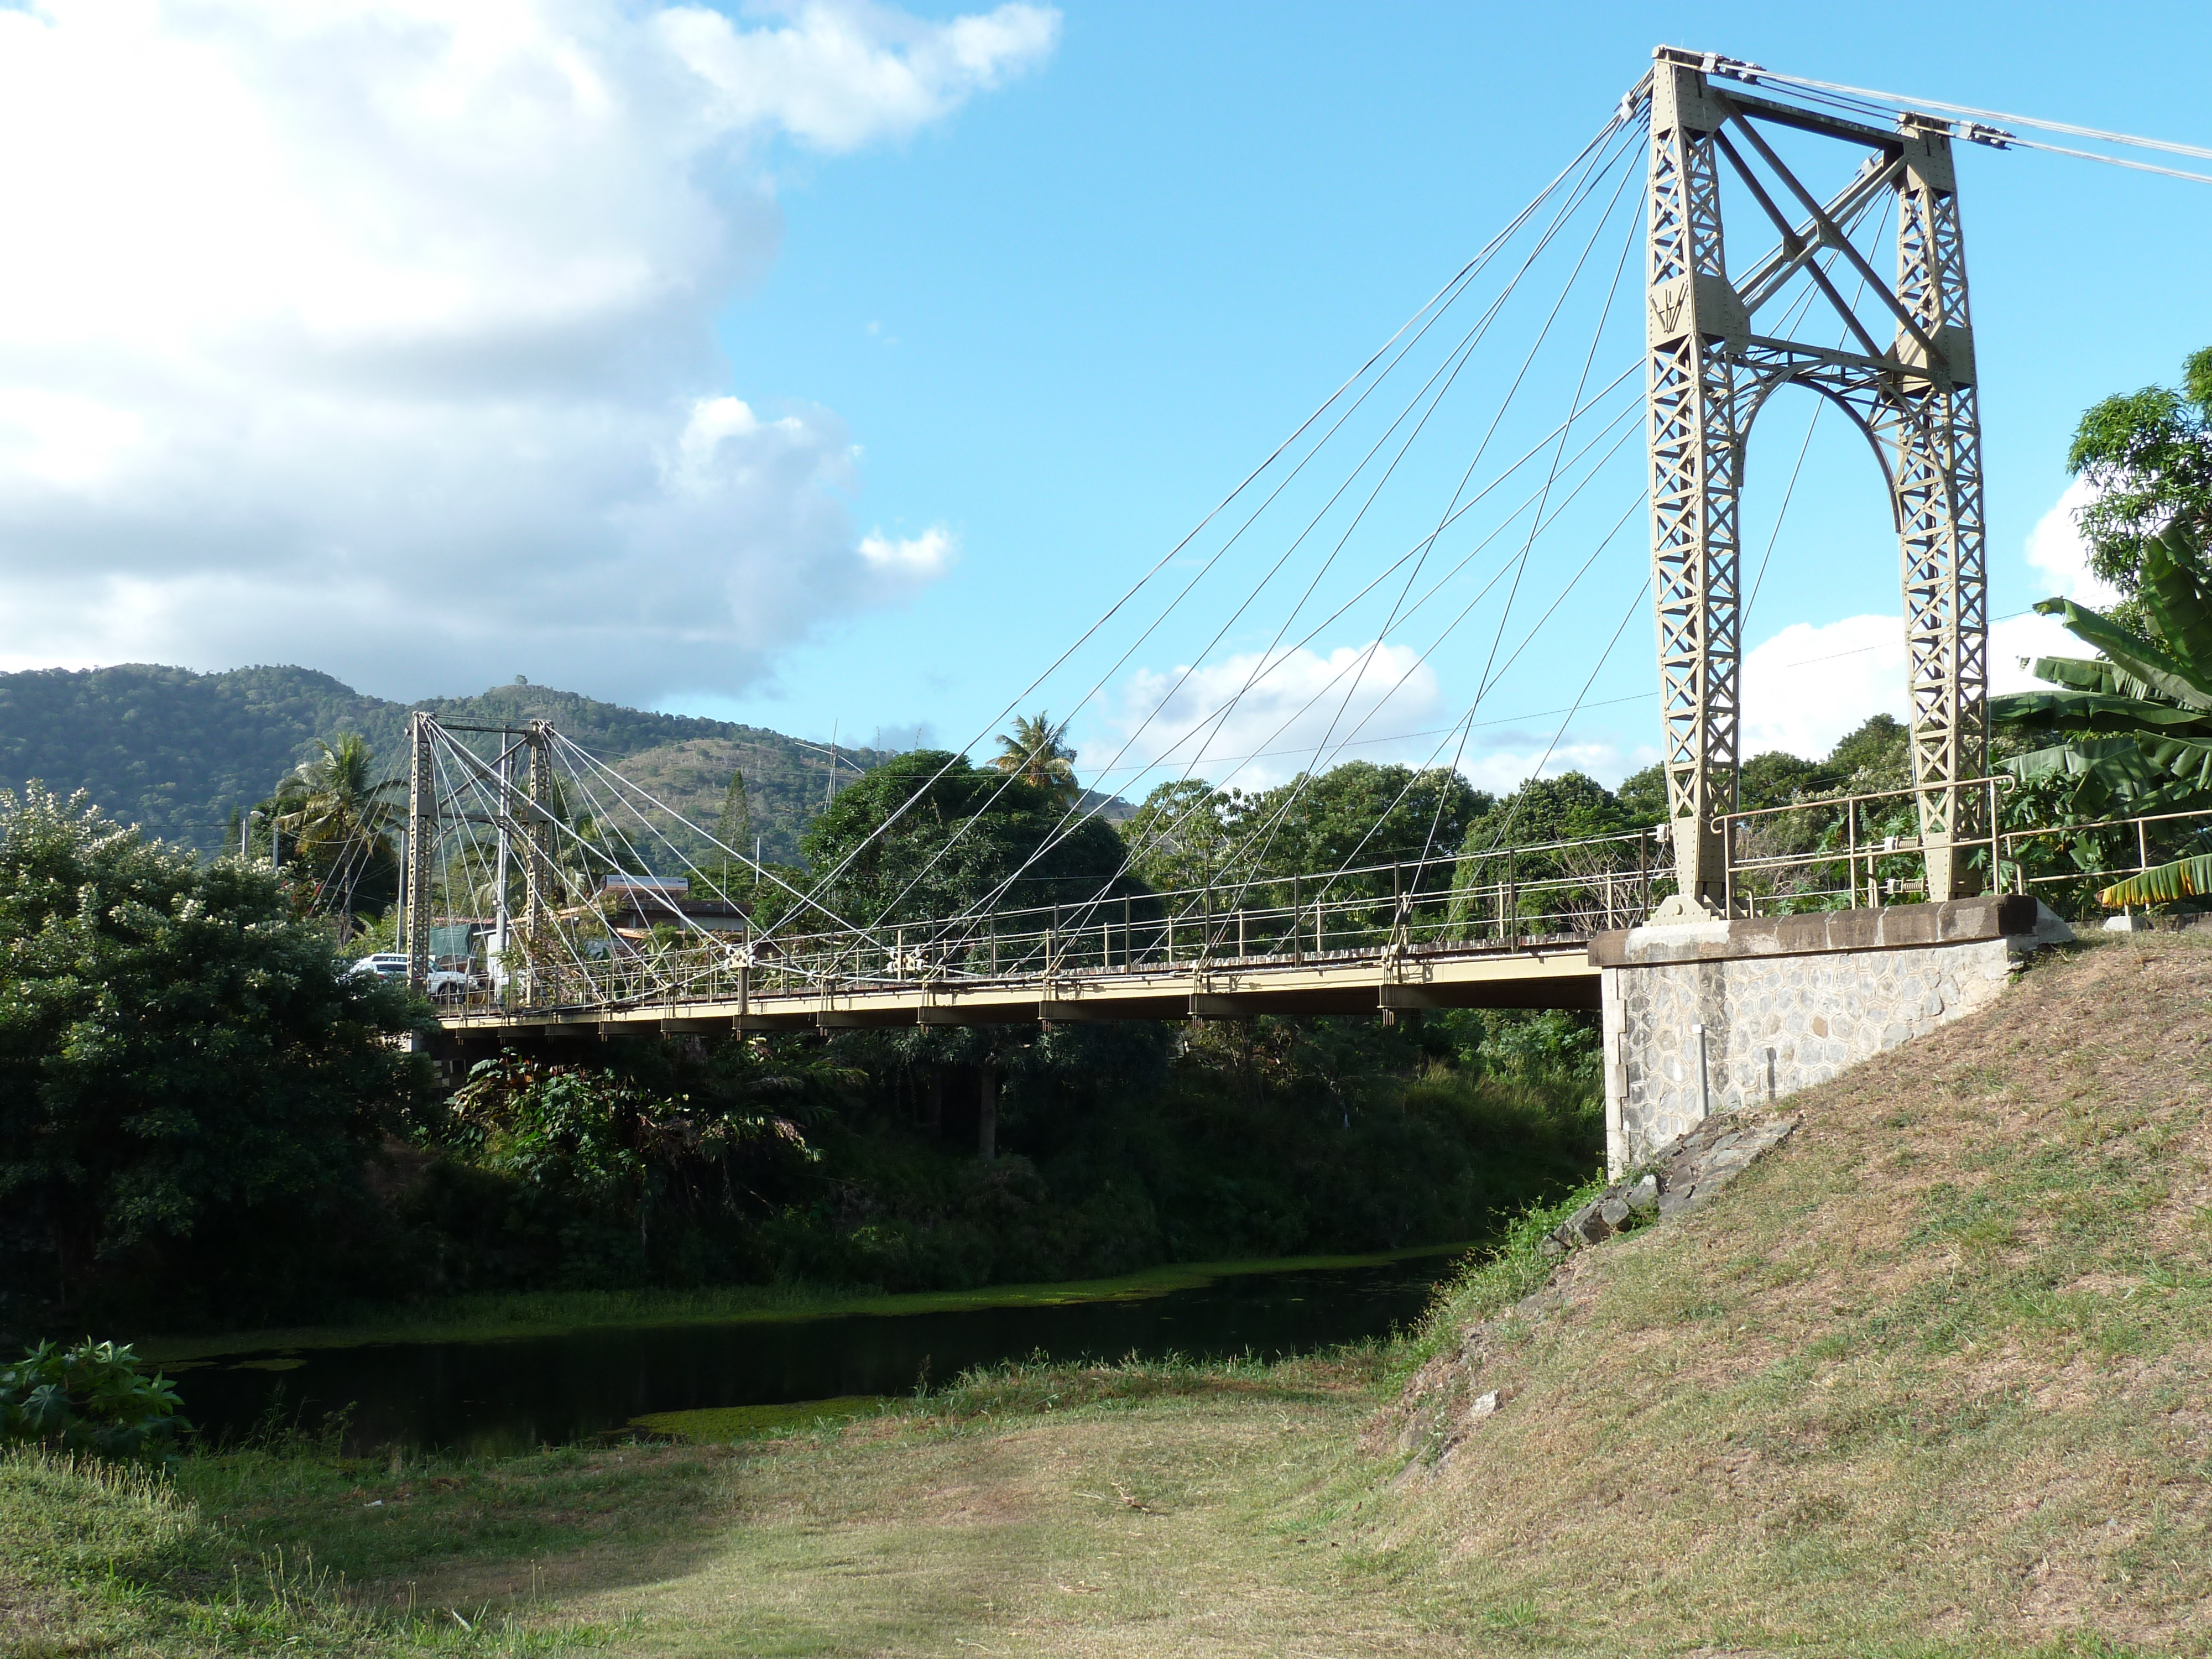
{"type": "Point", "coordinates": [1712, 1016]}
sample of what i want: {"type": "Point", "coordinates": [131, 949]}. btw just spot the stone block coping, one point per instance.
{"type": "Point", "coordinates": [1887, 927]}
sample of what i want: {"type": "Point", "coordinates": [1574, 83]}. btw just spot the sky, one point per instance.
{"type": "Point", "coordinates": [837, 367]}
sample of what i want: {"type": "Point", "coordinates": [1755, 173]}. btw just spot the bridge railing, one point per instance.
{"type": "Point", "coordinates": [1499, 899]}
{"type": "Point", "coordinates": [1853, 851]}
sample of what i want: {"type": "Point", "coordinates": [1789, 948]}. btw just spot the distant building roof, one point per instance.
{"type": "Point", "coordinates": [675, 887]}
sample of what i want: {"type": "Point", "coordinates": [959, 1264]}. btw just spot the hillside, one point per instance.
{"type": "Point", "coordinates": [1933, 1372]}
{"type": "Point", "coordinates": [180, 752]}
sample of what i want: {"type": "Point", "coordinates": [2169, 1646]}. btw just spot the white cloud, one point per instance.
{"type": "Point", "coordinates": [1810, 685]}
{"type": "Point", "coordinates": [378, 335]}
{"type": "Point", "coordinates": [2055, 549]}
{"type": "Point", "coordinates": [841, 75]}
{"type": "Point", "coordinates": [916, 559]}
{"type": "Point", "coordinates": [1254, 721]}
{"type": "Point", "coordinates": [1503, 765]}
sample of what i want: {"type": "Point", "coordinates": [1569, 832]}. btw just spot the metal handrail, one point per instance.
{"type": "Point", "coordinates": [1191, 931]}
{"type": "Point", "coordinates": [2004, 847]}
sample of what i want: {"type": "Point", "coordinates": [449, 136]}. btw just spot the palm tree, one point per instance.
{"type": "Point", "coordinates": [1034, 752]}
{"type": "Point", "coordinates": [331, 806]}
{"type": "Point", "coordinates": [2136, 720]}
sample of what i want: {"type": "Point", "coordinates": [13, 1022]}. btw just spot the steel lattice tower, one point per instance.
{"type": "Point", "coordinates": [1912, 396]}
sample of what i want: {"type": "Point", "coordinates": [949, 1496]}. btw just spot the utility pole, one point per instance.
{"type": "Point", "coordinates": [422, 834]}
{"type": "Point", "coordinates": [1911, 394]}
{"type": "Point", "coordinates": [538, 870]}
{"type": "Point", "coordinates": [503, 825]}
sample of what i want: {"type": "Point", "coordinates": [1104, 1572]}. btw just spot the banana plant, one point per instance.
{"type": "Point", "coordinates": [2135, 721]}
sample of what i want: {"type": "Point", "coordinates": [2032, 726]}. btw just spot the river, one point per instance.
{"type": "Point", "coordinates": [510, 1394]}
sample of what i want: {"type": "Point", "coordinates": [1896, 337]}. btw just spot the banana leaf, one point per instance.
{"type": "Point", "coordinates": [2096, 712]}
{"type": "Point", "coordinates": [2176, 599]}
{"type": "Point", "coordinates": [2088, 674]}
{"type": "Point", "coordinates": [2162, 883]}
{"type": "Point", "coordinates": [2124, 776]}
{"type": "Point", "coordinates": [2162, 673]}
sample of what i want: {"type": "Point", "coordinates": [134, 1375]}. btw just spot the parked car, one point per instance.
{"type": "Point", "coordinates": [451, 984]}
{"type": "Point", "coordinates": [444, 984]}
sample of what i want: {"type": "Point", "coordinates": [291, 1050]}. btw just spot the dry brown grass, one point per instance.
{"type": "Point", "coordinates": [1188, 1525]}
{"type": "Point", "coordinates": [1934, 1372]}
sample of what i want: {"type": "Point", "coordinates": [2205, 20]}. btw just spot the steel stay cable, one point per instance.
{"type": "Point", "coordinates": [655, 963]}
{"type": "Point", "coordinates": [1804, 301]}
{"type": "Point", "coordinates": [1896, 104]}
{"type": "Point", "coordinates": [1420, 550]}
{"type": "Point", "coordinates": [1474, 264]}
{"type": "Point", "coordinates": [1281, 808]}
{"type": "Point", "coordinates": [1292, 719]}
{"type": "Point", "coordinates": [1414, 551]}
{"type": "Point", "coordinates": [843, 928]}
{"type": "Point", "coordinates": [746, 859]}
{"type": "Point", "coordinates": [480, 778]}
{"type": "Point", "coordinates": [1589, 356]}
{"type": "Point", "coordinates": [1467, 610]}
{"type": "Point", "coordinates": [1463, 725]}
{"type": "Point", "coordinates": [1467, 722]}
{"type": "Point", "coordinates": [1462, 354]}
{"type": "Point", "coordinates": [1277, 817]}
{"type": "Point", "coordinates": [1071, 822]}
{"type": "Point", "coordinates": [1213, 721]}
{"type": "Point", "coordinates": [1899, 101]}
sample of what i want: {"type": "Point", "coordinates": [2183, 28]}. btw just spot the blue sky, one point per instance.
{"type": "Point", "coordinates": [831, 365]}
{"type": "Point", "coordinates": [1063, 322]}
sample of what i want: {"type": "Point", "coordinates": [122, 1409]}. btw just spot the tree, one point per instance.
{"type": "Point", "coordinates": [1361, 815]}
{"type": "Point", "coordinates": [1180, 838]}
{"type": "Point", "coordinates": [1034, 751]}
{"type": "Point", "coordinates": [2135, 722]}
{"type": "Point", "coordinates": [340, 816]}
{"type": "Point", "coordinates": [2147, 457]}
{"type": "Point", "coordinates": [1877, 757]}
{"type": "Point", "coordinates": [1642, 796]}
{"type": "Point", "coordinates": [189, 1080]}
{"type": "Point", "coordinates": [735, 827]}
{"type": "Point", "coordinates": [930, 834]}
{"type": "Point", "coordinates": [1572, 807]}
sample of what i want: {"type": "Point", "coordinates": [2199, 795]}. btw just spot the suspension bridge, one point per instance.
{"type": "Point", "coordinates": [1470, 487]}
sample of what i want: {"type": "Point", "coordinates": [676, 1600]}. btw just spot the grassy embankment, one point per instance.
{"type": "Point", "coordinates": [1930, 1379]}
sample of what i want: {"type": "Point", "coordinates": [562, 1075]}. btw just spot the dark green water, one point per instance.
{"type": "Point", "coordinates": [508, 1395]}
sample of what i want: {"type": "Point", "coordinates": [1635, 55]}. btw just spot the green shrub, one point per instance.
{"type": "Point", "coordinates": [1491, 1280]}
{"type": "Point", "coordinates": [95, 1399]}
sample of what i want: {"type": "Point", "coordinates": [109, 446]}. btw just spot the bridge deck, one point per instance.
{"type": "Point", "coordinates": [1545, 973]}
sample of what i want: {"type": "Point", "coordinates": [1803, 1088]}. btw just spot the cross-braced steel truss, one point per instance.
{"type": "Point", "coordinates": [1709, 373]}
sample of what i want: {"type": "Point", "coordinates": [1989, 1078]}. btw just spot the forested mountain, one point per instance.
{"type": "Point", "coordinates": [181, 753]}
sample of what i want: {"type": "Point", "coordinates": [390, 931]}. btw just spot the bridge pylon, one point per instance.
{"type": "Point", "coordinates": [1910, 389]}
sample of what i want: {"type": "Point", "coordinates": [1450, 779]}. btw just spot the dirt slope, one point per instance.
{"type": "Point", "coordinates": [1935, 1370]}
